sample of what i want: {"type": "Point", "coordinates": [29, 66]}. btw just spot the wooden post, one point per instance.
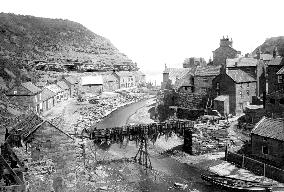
{"type": "Point", "coordinates": [264, 169]}
{"type": "Point", "coordinates": [243, 162]}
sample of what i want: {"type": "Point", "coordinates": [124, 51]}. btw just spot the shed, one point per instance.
{"type": "Point", "coordinates": [91, 84]}
{"type": "Point", "coordinates": [267, 139]}
{"type": "Point", "coordinates": [221, 104]}
{"type": "Point", "coordinates": [92, 80]}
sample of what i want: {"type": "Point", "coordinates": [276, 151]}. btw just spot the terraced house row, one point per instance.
{"type": "Point", "coordinates": [42, 96]}
{"type": "Point", "coordinates": [40, 99]}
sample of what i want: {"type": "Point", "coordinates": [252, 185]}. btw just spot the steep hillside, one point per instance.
{"type": "Point", "coordinates": [34, 38]}
{"type": "Point", "coordinates": [270, 43]}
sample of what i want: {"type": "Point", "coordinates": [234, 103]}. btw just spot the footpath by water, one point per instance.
{"type": "Point", "coordinates": [173, 170]}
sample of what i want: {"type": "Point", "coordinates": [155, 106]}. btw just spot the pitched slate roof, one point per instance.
{"type": "Point", "coordinates": [178, 73]}
{"type": "Point", "coordinates": [185, 81]}
{"type": "Point", "coordinates": [72, 80]}
{"type": "Point", "coordinates": [227, 47]}
{"type": "Point", "coordinates": [109, 78]}
{"type": "Point", "coordinates": [47, 94]}
{"type": "Point", "coordinates": [26, 125]}
{"type": "Point", "coordinates": [31, 87]}
{"type": "Point", "coordinates": [266, 57]}
{"type": "Point", "coordinates": [281, 71]}
{"type": "Point", "coordinates": [138, 73]}
{"type": "Point", "coordinates": [270, 128]}
{"type": "Point", "coordinates": [124, 73]}
{"type": "Point", "coordinates": [54, 88]}
{"type": "Point", "coordinates": [241, 62]}
{"type": "Point", "coordinates": [41, 83]}
{"type": "Point", "coordinates": [92, 80]}
{"type": "Point", "coordinates": [209, 70]}
{"type": "Point", "coordinates": [62, 85]}
{"type": "Point", "coordinates": [277, 61]}
{"type": "Point", "coordinates": [240, 76]}
{"type": "Point", "coordinates": [29, 125]}
{"type": "Point", "coordinates": [222, 98]}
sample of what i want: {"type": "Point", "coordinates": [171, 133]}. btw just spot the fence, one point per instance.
{"type": "Point", "coordinates": [255, 166]}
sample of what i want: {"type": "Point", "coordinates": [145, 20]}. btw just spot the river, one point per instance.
{"type": "Point", "coordinates": [175, 171]}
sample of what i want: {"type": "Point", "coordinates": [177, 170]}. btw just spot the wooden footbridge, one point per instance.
{"type": "Point", "coordinates": [142, 134]}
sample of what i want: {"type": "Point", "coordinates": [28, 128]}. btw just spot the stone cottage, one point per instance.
{"type": "Point", "coordinates": [224, 52]}
{"type": "Point", "coordinates": [26, 95]}
{"type": "Point", "coordinates": [238, 85]}
{"type": "Point", "coordinates": [267, 140]}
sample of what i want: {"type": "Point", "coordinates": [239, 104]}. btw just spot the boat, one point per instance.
{"type": "Point", "coordinates": [233, 184]}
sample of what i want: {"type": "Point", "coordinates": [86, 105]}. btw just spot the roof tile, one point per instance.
{"type": "Point", "coordinates": [31, 87]}
{"type": "Point", "coordinates": [240, 76]}
{"type": "Point", "coordinates": [276, 61]}
{"type": "Point", "coordinates": [209, 70]}
{"type": "Point", "coordinates": [270, 128]}
{"type": "Point", "coordinates": [281, 71]}
{"type": "Point", "coordinates": [241, 62]}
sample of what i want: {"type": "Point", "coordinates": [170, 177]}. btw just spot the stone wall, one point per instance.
{"type": "Point", "coordinates": [275, 149]}
{"type": "Point", "coordinates": [244, 94]}
{"type": "Point", "coordinates": [191, 100]}
{"type": "Point", "coordinates": [272, 78]}
{"type": "Point", "coordinates": [222, 53]}
{"type": "Point", "coordinates": [203, 83]}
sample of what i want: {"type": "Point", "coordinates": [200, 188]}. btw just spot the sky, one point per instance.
{"type": "Point", "coordinates": [158, 32]}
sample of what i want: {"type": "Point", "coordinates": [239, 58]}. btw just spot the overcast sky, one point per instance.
{"type": "Point", "coordinates": [155, 32]}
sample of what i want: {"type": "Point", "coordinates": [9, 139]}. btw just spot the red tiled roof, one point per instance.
{"type": "Point", "coordinates": [270, 128]}
{"type": "Point", "coordinates": [208, 70]}
{"type": "Point", "coordinates": [281, 71]}
{"type": "Point", "coordinates": [240, 76]}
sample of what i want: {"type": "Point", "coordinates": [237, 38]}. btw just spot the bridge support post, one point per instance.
{"type": "Point", "coordinates": [187, 145]}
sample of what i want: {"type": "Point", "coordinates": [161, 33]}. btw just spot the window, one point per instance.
{"type": "Point", "coordinates": [241, 94]}
{"type": "Point", "coordinates": [241, 106]}
{"type": "Point", "coordinates": [265, 149]}
{"type": "Point", "coordinates": [218, 86]}
{"type": "Point", "coordinates": [35, 98]}
{"type": "Point", "coordinates": [247, 85]}
{"type": "Point", "coordinates": [241, 85]}
{"type": "Point", "coordinates": [40, 96]}
{"type": "Point", "coordinates": [281, 101]}
{"type": "Point", "coordinates": [280, 79]}
{"type": "Point", "coordinates": [247, 92]}
{"type": "Point", "coordinates": [264, 139]}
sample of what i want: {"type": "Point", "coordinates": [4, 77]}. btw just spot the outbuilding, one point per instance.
{"type": "Point", "coordinates": [92, 84]}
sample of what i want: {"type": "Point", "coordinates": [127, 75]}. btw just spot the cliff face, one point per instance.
{"type": "Point", "coordinates": [269, 45]}
{"type": "Point", "coordinates": [34, 38]}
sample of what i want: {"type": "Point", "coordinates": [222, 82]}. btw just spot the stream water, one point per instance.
{"type": "Point", "coordinates": [172, 170]}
